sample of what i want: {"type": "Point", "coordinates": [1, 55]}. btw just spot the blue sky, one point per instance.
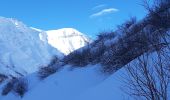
{"type": "Point", "coordinates": [87, 16]}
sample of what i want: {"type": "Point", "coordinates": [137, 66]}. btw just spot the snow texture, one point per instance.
{"type": "Point", "coordinates": [22, 50]}
{"type": "Point", "coordinates": [67, 40]}
{"type": "Point", "coordinates": [75, 84]}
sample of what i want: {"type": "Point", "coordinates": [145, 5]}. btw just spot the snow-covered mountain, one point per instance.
{"type": "Point", "coordinates": [22, 51]}
{"type": "Point", "coordinates": [25, 49]}
{"type": "Point", "coordinates": [95, 72]}
{"type": "Point", "coordinates": [67, 40]}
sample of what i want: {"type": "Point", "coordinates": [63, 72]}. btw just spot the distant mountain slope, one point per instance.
{"type": "Point", "coordinates": [21, 50]}
{"type": "Point", "coordinates": [67, 40]}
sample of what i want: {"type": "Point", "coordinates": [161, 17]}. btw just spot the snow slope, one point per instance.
{"type": "Point", "coordinates": [25, 49]}
{"type": "Point", "coordinates": [76, 84]}
{"type": "Point", "coordinates": [22, 51]}
{"type": "Point", "coordinates": [67, 40]}
{"type": "Point", "coordinates": [86, 83]}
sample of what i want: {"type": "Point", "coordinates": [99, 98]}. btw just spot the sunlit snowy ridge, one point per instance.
{"type": "Point", "coordinates": [26, 49]}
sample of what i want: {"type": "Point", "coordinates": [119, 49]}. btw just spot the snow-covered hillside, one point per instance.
{"type": "Point", "coordinates": [127, 64]}
{"type": "Point", "coordinates": [67, 40]}
{"type": "Point", "coordinates": [78, 84]}
{"type": "Point", "coordinates": [22, 51]}
{"type": "Point", "coordinates": [25, 49]}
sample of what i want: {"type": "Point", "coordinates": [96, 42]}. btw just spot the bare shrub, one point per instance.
{"type": "Point", "coordinates": [46, 71]}
{"type": "Point", "coordinates": [2, 78]}
{"type": "Point", "coordinates": [148, 77]}
{"type": "Point", "coordinates": [21, 87]}
{"type": "Point", "coordinates": [8, 87]}
{"type": "Point", "coordinates": [50, 69]}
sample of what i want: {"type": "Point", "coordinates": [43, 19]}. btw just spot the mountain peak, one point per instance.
{"type": "Point", "coordinates": [66, 32]}
{"type": "Point", "coordinates": [67, 40]}
{"type": "Point", "coordinates": [22, 50]}
{"type": "Point", "coordinates": [25, 49]}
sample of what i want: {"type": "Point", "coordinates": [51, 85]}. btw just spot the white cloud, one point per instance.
{"type": "Point", "coordinates": [103, 12]}
{"type": "Point", "coordinates": [98, 6]}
